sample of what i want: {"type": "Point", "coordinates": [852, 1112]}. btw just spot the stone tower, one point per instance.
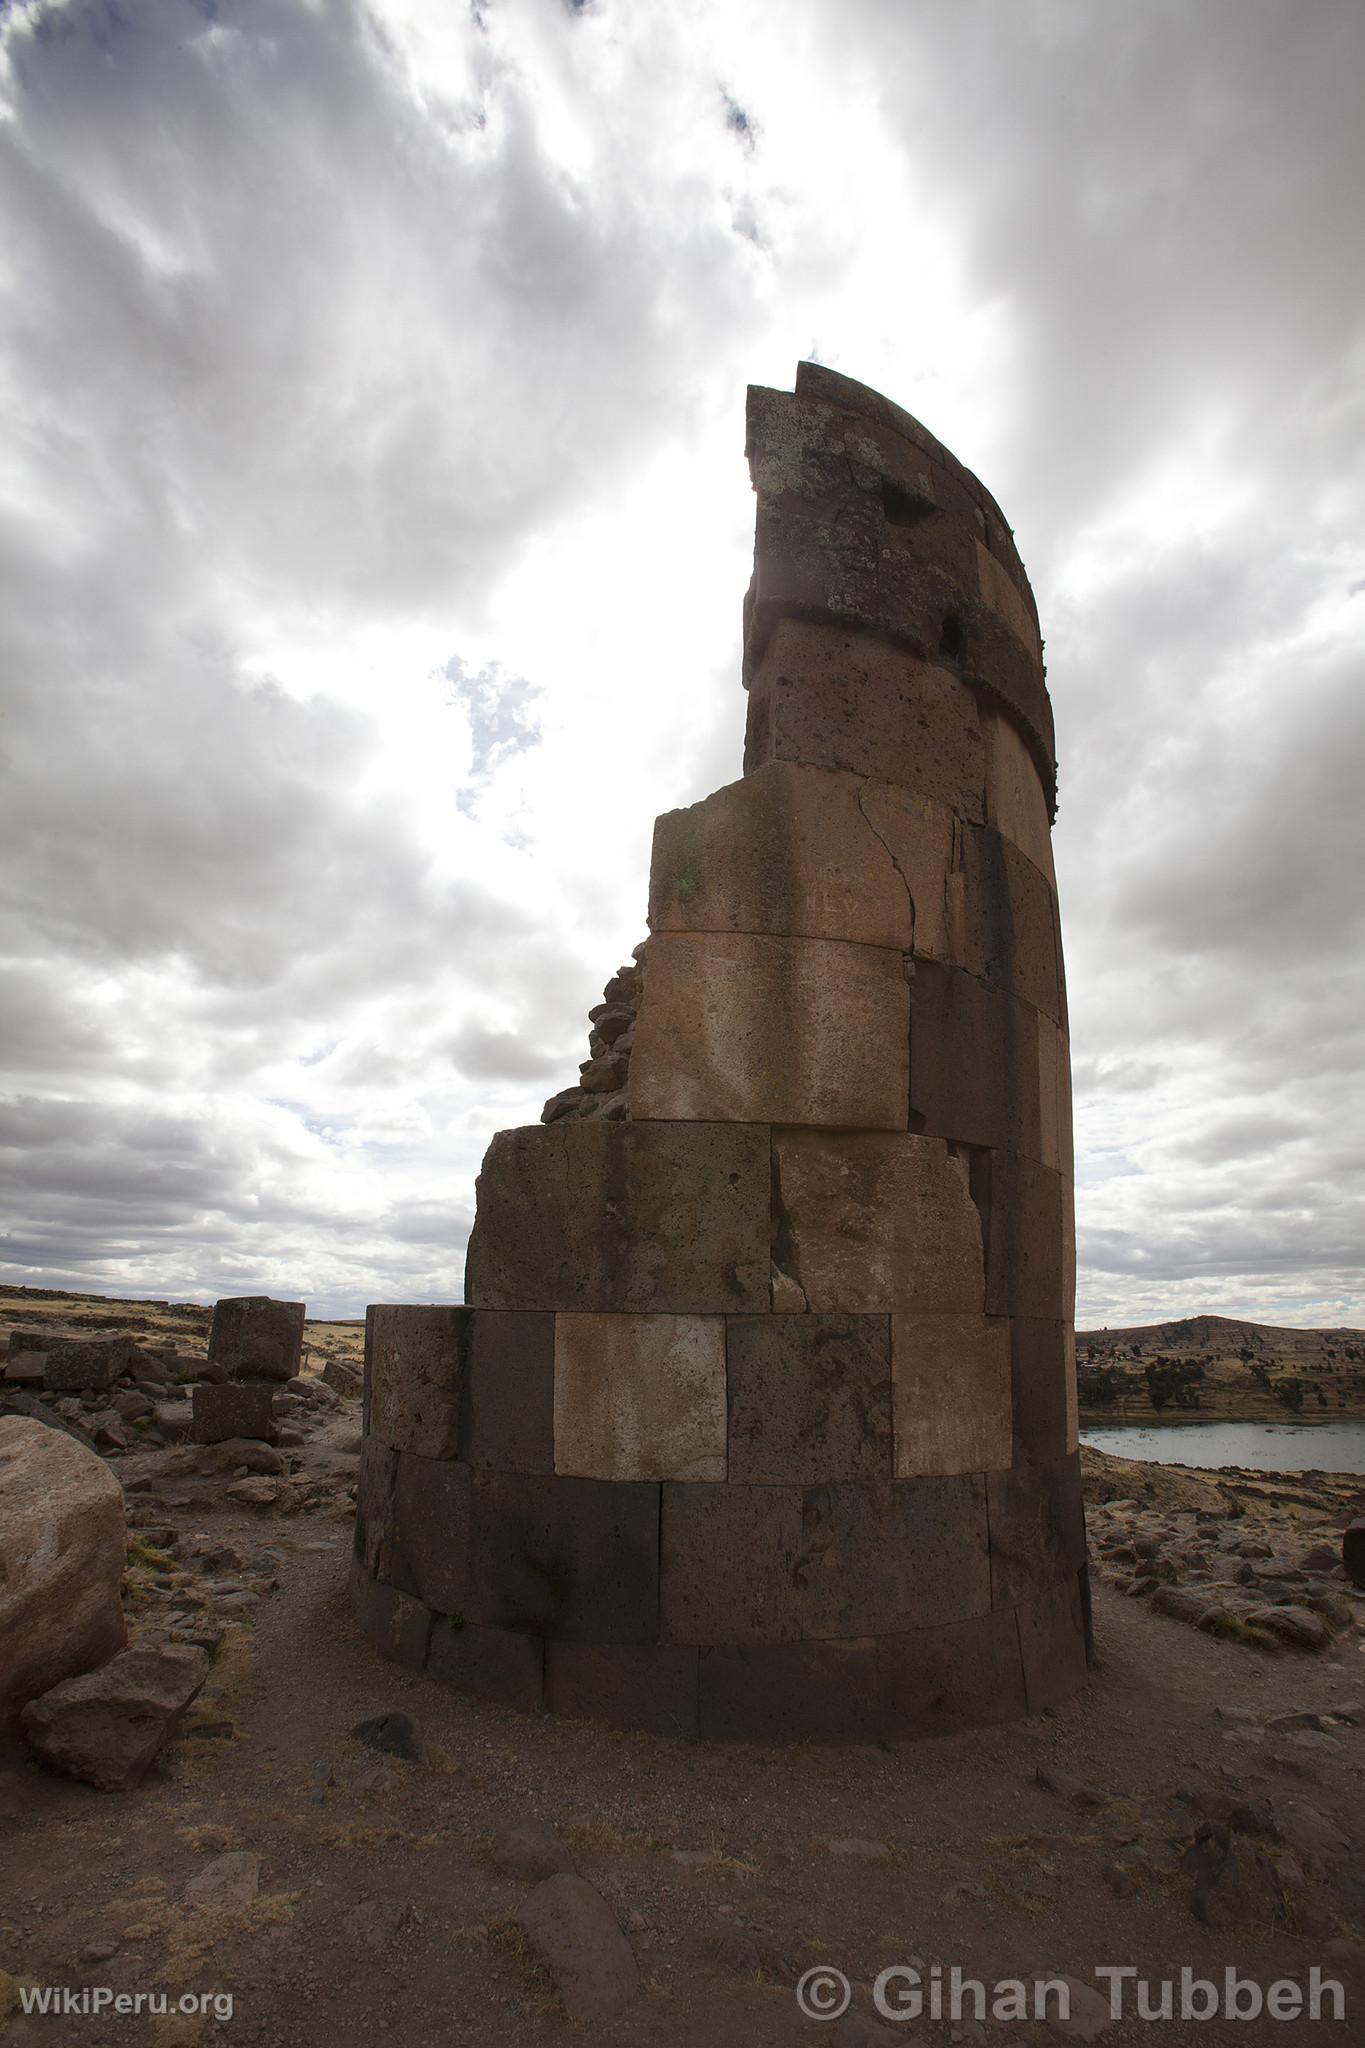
{"type": "Point", "coordinates": [759, 1421]}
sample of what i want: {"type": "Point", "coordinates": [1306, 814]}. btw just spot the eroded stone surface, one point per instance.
{"type": "Point", "coordinates": [869, 1221]}
{"type": "Point", "coordinates": [253, 1337]}
{"type": "Point", "coordinates": [640, 1397]}
{"type": "Point", "coordinates": [770, 1030]}
{"type": "Point", "coordinates": [648, 1217]}
{"type": "Point", "coordinates": [952, 1392]}
{"type": "Point", "coordinates": [810, 1398]}
{"type": "Point", "coordinates": [414, 1377]}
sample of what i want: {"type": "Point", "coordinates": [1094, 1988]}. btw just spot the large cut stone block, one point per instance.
{"type": "Point", "coordinates": [498, 1664]}
{"type": "Point", "coordinates": [575, 1558]}
{"type": "Point", "coordinates": [951, 1376]}
{"type": "Point", "coordinates": [252, 1337]}
{"type": "Point", "coordinates": [1026, 1240]}
{"type": "Point", "coordinates": [373, 1535]}
{"type": "Point", "coordinates": [728, 1556]}
{"type": "Point", "coordinates": [1037, 1528]}
{"type": "Point", "coordinates": [810, 1398]}
{"type": "Point", "coordinates": [877, 1557]}
{"type": "Point", "coordinates": [807, 853]}
{"type": "Point", "coordinates": [428, 1553]}
{"type": "Point", "coordinates": [1002, 922]}
{"type": "Point", "coordinates": [1043, 1375]}
{"type": "Point", "coordinates": [791, 1692]}
{"type": "Point", "coordinates": [232, 1408]}
{"type": "Point", "coordinates": [398, 1626]}
{"type": "Point", "coordinates": [650, 1217]}
{"type": "Point", "coordinates": [1052, 1640]}
{"type": "Point", "coordinates": [625, 1685]}
{"type": "Point", "coordinates": [640, 1397]}
{"type": "Point", "coordinates": [937, 1681]}
{"type": "Point", "coordinates": [870, 1220]}
{"type": "Point", "coordinates": [838, 699]}
{"type": "Point", "coordinates": [769, 1030]}
{"type": "Point", "coordinates": [509, 1392]}
{"type": "Point", "coordinates": [1016, 802]}
{"type": "Point", "coordinates": [999, 590]}
{"type": "Point", "coordinates": [974, 1062]}
{"type": "Point", "coordinates": [414, 1377]}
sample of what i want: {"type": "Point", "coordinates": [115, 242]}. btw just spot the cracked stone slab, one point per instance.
{"type": "Point", "coordinates": [807, 852]}
{"type": "Point", "coordinates": [772, 1030]}
{"type": "Point", "coordinates": [872, 1220]}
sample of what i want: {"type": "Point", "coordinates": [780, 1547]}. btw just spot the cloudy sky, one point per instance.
{"type": "Point", "coordinates": [374, 526]}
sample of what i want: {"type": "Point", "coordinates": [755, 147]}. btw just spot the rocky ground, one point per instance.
{"type": "Point", "coordinates": [1201, 1803]}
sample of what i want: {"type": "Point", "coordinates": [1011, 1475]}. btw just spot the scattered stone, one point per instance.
{"type": "Point", "coordinates": [63, 1549]}
{"type": "Point", "coordinates": [578, 1938]}
{"type": "Point", "coordinates": [99, 1951]}
{"type": "Point", "coordinates": [736, 1951]}
{"type": "Point", "coordinates": [532, 1852]}
{"type": "Point", "coordinates": [855, 2030]}
{"type": "Point", "coordinates": [234, 1452]}
{"type": "Point", "coordinates": [343, 1378]}
{"type": "Point", "coordinates": [1295, 1626]}
{"type": "Point", "coordinates": [393, 1735]}
{"type": "Point", "coordinates": [174, 1419]}
{"type": "Point", "coordinates": [107, 1726]}
{"type": "Point", "coordinates": [1063, 1785]}
{"type": "Point", "coordinates": [226, 1884]}
{"type": "Point", "coordinates": [375, 1922]}
{"type": "Point", "coordinates": [255, 1493]}
{"type": "Point", "coordinates": [1088, 2013]}
{"type": "Point", "coordinates": [866, 1852]}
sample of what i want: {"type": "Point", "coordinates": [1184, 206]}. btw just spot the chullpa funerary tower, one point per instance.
{"type": "Point", "coordinates": [759, 1420]}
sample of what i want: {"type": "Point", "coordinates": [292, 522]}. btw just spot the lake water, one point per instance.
{"type": "Point", "coordinates": [1260, 1446]}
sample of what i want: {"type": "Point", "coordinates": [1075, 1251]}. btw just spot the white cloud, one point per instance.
{"type": "Point", "coordinates": [374, 525]}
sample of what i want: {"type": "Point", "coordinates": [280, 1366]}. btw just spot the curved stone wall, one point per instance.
{"type": "Point", "coordinates": [760, 1420]}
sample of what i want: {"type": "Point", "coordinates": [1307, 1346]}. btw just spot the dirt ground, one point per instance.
{"type": "Point", "coordinates": [733, 1870]}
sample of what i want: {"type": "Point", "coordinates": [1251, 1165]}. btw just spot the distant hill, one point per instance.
{"type": "Point", "coordinates": [1220, 1368]}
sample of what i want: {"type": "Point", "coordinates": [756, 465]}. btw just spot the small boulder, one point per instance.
{"type": "Point", "coordinates": [1353, 1551]}
{"type": "Point", "coordinates": [63, 1549]}
{"type": "Point", "coordinates": [532, 1852]}
{"type": "Point", "coordinates": [578, 1938]}
{"type": "Point", "coordinates": [393, 1735]}
{"type": "Point", "coordinates": [107, 1726]}
{"type": "Point", "coordinates": [225, 1884]}
{"type": "Point", "coordinates": [235, 1451]}
{"type": "Point", "coordinates": [343, 1378]}
{"type": "Point", "coordinates": [255, 1493]}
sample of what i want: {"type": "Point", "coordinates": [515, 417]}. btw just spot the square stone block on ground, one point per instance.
{"type": "Point", "coordinates": [252, 1337]}
{"type": "Point", "coordinates": [791, 1692]}
{"type": "Point", "coordinates": [657, 1218]}
{"type": "Point", "coordinates": [1026, 1240]}
{"type": "Point", "coordinates": [728, 1558]}
{"type": "Point", "coordinates": [492, 1663]}
{"type": "Point", "coordinates": [1016, 803]}
{"type": "Point", "coordinates": [832, 697]}
{"type": "Point", "coordinates": [880, 1556]}
{"type": "Point", "coordinates": [233, 1408]}
{"type": "Point", "coordinates": [1002, 922]}
{"type": "Point", "coordinates": [574, 1558]}
{"type": "Point", "coordinates": [1052, 1640]}
{"type": "Point", "coordinates": [428, 1553]}
{"type": "Point", "coordinates": [652, 1686]}
{"type": "Point", "coordinates": [1043, 1374]}
{"type": "Point", "coordinates": [804, 852]}
{"type": "Point", "coordinates": [507, 1417]}
{"type": "Point", "coordinates": [398, 1626]}
{"type": "Point", "coordinates": [640, 1397]}
{"type": "Point", "coordinates": [952, 1394]}
{"type": "Point", "coordinates": [770, 1030]}
{"type": "Point", "coordinates": [414, 1376]}
{"type": "Point", "coordinates": [1037, 1521]}
{"type": "Point", "coordinates": [871, 1220]}
{"type": "Point", "coordinates": [974, 1063]}
{"type": "Point", "coordinates": [937, 1681]}
{"type": "Point", "coordinates": [810, 1398]}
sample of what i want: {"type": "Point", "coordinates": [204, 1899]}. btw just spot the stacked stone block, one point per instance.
{"type": "Point", "coordinates": [759, 1422]}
